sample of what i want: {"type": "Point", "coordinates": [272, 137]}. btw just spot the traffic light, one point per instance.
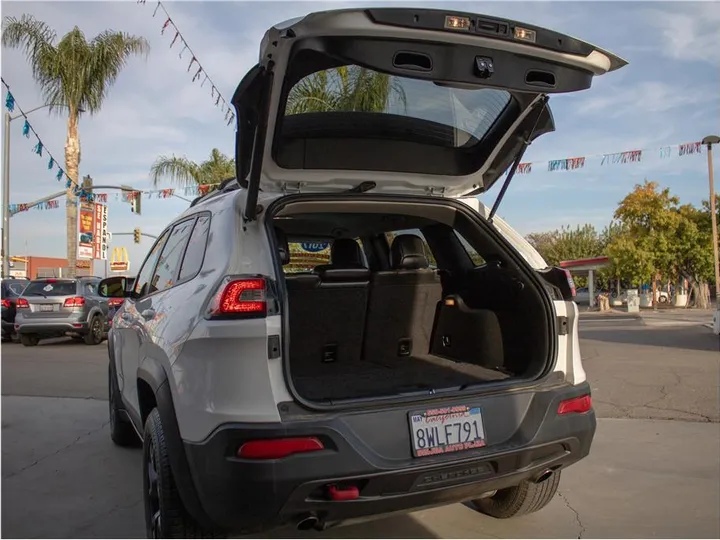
{"type": "Point", "coordinates": [135, 202]}
{"type": "Point", "coordinates": [136, 235]}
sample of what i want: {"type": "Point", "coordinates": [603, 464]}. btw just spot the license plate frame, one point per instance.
{"type": "Point", "coordinates": [446, 424]}
{"type": "Point", "coordinates": [47, 307]}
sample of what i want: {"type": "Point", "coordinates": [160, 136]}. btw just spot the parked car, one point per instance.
{"type": "Point", "coordinates": [55, 307]}
{"type": "Point", "coordinates": [10, 289]}
{"type": "Point", "coordinates": [373, 384]}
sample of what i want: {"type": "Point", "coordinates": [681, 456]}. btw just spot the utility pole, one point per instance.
{"type": "Point", "coordinates": [6, 198]}
{"type": "Point", "coordinates": [709, 141]}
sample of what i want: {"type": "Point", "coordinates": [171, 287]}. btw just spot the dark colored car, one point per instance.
{"type": "Point", "coordinates": [11, 289]}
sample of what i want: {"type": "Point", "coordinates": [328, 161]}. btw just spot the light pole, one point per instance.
{"type": "Point", "coordinates": [709, 141]}
{"type": "Point", "coordinates": [5, 248]}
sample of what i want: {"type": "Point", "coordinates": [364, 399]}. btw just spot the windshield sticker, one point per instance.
{"type": "Point", "coordinates": [48, 288]}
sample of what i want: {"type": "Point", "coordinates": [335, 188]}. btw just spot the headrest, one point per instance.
{"type": "Point", "coordinates": [346, 252]}
{"type": "Point", "coordinates": [408, 253]}
{"type": "Point", "coordinates": [283, 247]}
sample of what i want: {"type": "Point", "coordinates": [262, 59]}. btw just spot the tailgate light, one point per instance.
{"type": "Point", "coordinates": [75, 301]}
{"type": "Point", "coordinates": [21, 303]}
{"type": "Point", "coordinates": [241, 297]}
{"type": "Point", "coordinates": [453, 22]}
{"type": "Point", "coordinates": [580, 404]}
{"type": "Point", "coordinates": [51, 280]}
{"type": "Point", "coordinates": [6, 303]}
{"type": "Point", "coordinates": [278, 448]}
{"type": "Point", "coordinates": [525, 34]}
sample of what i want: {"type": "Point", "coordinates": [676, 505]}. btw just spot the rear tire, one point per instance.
{"type": "Point", "coordinates": [121, 431]}
{"type": "Point", "coordinates": [525, 498]}
{"type": "Point", "coordinates": [29, 340]}
{"type": "Point", "coordinates": [94, 335]}
{"type": "Point", "coordinates": [165, 514]}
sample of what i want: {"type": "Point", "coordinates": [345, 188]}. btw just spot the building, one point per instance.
{"type": "Point", "coordinates": [32, 267]}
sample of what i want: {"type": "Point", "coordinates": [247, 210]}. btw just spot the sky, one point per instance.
{"type": "Point", "coordinates": [667, 95]}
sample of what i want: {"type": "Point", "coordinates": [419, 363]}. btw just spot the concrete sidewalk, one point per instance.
{"type": "Point", "coordinates": [63, 478]}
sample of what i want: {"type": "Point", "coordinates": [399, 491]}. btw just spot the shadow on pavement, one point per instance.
{"type": "Point", "coordinates": [402, 526]}
{"type": "Point", "coordinates": [697, 338]}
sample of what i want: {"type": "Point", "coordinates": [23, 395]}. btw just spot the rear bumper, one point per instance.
{"type": "Point", "coordinates": [242, 495]}
{"type": "Point", "coordinates": [44, 327]}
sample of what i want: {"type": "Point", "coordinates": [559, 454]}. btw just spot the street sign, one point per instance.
{"type": "Point", "coordinates": [119, 261]}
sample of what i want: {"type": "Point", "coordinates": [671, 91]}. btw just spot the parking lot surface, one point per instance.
{"type": "Point", "coordinates": [653, 472]}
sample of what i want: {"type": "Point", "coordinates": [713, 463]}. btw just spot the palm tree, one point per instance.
{"type": "Point", "coordinates": [75, 76]}
{"type": "Point", "coordinates": [185, 172]}
{"type": "Point", "coordinates": [346, 88]}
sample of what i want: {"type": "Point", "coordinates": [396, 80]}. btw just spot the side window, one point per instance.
{"type": "Point", "coordinates": [91, 288]}
{"type": "Point", "coordinates": [474, 255]}
{"type": "Point", "coordinates": [195, 252]}
{"type": "Point", "coordinates": [430, 257]}
{"type": "Point", "coordinates": [169, 262]}
{"type": "Point", "coordinates": [143, 286]}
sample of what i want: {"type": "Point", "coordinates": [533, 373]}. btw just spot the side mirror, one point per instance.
{"type": "Point", "coordinates": [115, 287]}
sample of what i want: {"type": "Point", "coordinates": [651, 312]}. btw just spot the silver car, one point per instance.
{"type": "Point", "coordinates": [55, 307]}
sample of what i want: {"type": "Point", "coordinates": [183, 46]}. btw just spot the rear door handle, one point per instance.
{"type": "Point", "coordinates": [148, 314]}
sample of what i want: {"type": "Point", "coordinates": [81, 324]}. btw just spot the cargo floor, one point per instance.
{"type": "Point", "coordinates": [336, 381]}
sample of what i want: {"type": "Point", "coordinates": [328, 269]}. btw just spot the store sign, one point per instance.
{"type": "Point", "coordinates": [82, 264]}
{"type": "Point", "coordinates": [314, 247]}
{"type": "Point", "coordinates": [100, 231]}
{"type": "Point", "coordinates": [86, 226]}
{"type": "Point", "coordinates": [119, 262]}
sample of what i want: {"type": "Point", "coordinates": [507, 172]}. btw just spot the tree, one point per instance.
{"type": "Point", "coordinates": [345, 88]}
{"type": "Point", "coordinates": [75, 76]}
{"type": "Point", "coordinates": [185, 172]}
{"type": "Point", "coordinates": [659, 237]}
{"type": "Point", "coordinates": [566, 244]}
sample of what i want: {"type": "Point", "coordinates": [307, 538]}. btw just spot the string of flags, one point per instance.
{"type": "Point", "coordinates": [194, 65]}
{"type": "Point", "coordinates": [40, 149]}
{"type": "Point", "coordinates": [631, 156]}
{"type": "Point", "coordinates": [567, 164]}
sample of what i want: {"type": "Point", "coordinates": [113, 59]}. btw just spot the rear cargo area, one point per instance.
{"type": "Point", "coordinates": [378, 312]}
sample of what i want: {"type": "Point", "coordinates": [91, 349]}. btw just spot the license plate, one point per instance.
{"type": "Point", "coordinates": [46, 307]}
{"type": "Point", "coordinates": [445, 430]}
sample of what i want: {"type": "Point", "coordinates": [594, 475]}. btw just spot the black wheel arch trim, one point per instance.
{"type": "Point", "coordinates": [154, 374]}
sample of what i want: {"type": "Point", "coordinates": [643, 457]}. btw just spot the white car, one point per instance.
{"type": "Point", "coordinates": [377, 383]}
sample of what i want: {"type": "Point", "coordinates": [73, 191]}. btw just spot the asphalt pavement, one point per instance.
{"type": "Point", "coordinates": [653, 472]}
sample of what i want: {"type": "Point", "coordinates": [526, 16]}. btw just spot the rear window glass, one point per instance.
{"type": "Point", "coordinates": [305, 256]}
{"type": "Point", "coordinates": [362, 111]}
{"type": "Point", "coordinates": [12, 290]}
{"type": "Point", "coordinates": [45, 288]}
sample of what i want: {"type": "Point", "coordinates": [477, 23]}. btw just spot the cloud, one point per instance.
{"type": "Point", "coordinates": [653, 97]}
{"type": "Point", "coordinates": [688, 31]}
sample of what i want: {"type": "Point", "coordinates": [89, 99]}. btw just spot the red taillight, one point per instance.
{"type": "Point", "coordinates": [241, 296]}
{"type": "Point", "coordinates": [6, 303]}
{"type": "Point", "coordinates": [22, 303]}
{"type": "Point", "coordinates": [571, 282]}
{"type": "Point", "coordinates": [75, 301]}
{"type": "Point", "coordinates": [278, 448]}
{"type": "Point", "coordinates": [580, 404]}
{"type": "Point", "coordinates": [112, 302]}
{"type": "Point", "coordinates": [51, 280]}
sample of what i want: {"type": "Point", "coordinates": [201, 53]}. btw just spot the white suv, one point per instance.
{"type": "Point", "coordinates": [432, 358]}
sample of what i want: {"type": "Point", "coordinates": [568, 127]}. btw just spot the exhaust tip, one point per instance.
{"type": "Point", "coordinates": [306, 523]}
{"type": "Point", "coordinates": [546, 474]}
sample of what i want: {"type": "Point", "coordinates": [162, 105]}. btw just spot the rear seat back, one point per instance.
{"type": "Point", "coordinates": [327, 312]}
{"type": "Point", "coordinates": [403, 302]}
